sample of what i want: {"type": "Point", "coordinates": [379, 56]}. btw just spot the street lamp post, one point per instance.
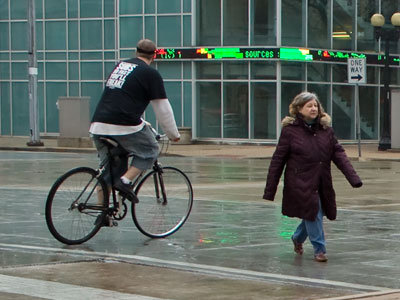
{"type": "Point", "coordinates": [32, 74]}
{"type": "Point", "coordinates": [387, 35]}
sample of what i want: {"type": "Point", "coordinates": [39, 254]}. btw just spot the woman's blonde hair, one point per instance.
{"type": "Point", "coordinates": [300, 100]}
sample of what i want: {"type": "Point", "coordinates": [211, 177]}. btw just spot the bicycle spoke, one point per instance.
{"type": "Point", "coordinates": [157, 217]}
{"type": "Point", "coordinates": [70, 214]}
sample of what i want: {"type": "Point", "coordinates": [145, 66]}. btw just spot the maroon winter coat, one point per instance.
{"type": "Point", "coordinates": [307, 153]}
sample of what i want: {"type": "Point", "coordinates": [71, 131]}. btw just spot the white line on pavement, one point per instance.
{"type": "Point", "coordinates": [60, 291]}
{"type": "Point", "coordinates": [212, 270]}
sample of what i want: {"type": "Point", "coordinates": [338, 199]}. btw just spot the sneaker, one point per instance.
{"type": "Point", "coordinates": [126, 191]}
{"type": "Point", "coordinates": [298, 247]}
{"type": "Point", "coordinates": [321, 257]}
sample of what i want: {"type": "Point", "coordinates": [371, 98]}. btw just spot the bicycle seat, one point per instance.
{"type": "Point", "coordinates": [114, 147]}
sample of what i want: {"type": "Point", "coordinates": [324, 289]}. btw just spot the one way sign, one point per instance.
{"type": "Point", "coordinates": [356, 70]}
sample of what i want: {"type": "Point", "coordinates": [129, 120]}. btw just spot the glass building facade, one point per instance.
{"type": "Point", "coordinates": [223, 61]}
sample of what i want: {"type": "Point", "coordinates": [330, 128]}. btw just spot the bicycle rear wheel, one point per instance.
{"type": "Point", "coordinates": [73, 215]}
{"type": "Point", "coordinates": [155, 217]}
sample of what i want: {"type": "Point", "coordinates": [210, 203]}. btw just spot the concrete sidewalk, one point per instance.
{"type": "Point", "coordinates": [368, 151]}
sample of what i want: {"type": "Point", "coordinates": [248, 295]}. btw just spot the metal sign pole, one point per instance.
{"type": "Point", "coordinates": [356, 73]}
{"type": "Point", "coordinates": [32, 73]}
{"type": "Point", "coordinates": [358, 120]}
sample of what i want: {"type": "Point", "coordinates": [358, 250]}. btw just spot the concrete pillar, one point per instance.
{"type": "Point", "coordinates": [74, 122]}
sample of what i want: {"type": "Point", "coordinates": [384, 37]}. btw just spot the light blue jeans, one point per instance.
{"type": "Point", "coordinates": [314, 231]}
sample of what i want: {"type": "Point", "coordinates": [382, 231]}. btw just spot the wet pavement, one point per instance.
{"type": "Point", "coordinates": [234, 245]}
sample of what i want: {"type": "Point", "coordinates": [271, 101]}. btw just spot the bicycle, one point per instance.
{"type": "Point", "coordinates": [73, 215]}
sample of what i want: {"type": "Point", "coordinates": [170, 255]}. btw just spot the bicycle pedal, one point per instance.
{"type": "Point", "coordinates": [106, 221]}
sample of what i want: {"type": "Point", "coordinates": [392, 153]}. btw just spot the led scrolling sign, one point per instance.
{"type": "Point", "coordinates": [299, 54]}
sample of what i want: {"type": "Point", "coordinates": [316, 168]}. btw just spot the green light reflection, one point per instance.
{"type": "Point", "coordinates": [219, 53]}
{"type": "Point", "coordinates": [295, 54]}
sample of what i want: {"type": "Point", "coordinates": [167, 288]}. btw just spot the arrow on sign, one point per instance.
{"type": "Point", "coordinates": [358, 77]}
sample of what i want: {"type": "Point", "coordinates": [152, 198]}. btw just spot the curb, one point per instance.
{"type": "Point", "coordinates": [49, 149]}
{"type": "Point", "coordinates": [384, 295]}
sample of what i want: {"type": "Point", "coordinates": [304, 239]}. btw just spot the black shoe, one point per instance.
{"type": "Point", "coordinates": [106, 221]}
{"type": "Point", "coordinates": [99, 220]}
{"type": "Point", "coordinates": [125, 190]}
{"type": "Point", "coordinates": [102, 220]}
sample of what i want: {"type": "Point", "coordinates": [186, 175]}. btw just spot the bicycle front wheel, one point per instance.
{"type": "Point", "coordinates": [159, 216]}
{"type": "Point", "coordinates": [74, 210]}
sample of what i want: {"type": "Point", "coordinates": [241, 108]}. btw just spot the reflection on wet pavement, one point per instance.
{"type": "Point", "coordinates": [230, 225]}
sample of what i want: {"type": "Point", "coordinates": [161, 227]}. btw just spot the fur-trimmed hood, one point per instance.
{"type": "Point", "coordinates": [324, 120]}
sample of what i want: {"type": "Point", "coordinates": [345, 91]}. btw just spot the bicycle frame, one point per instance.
{"type": "Point", "coordinates": [158, 182]}
{"type": "Point", "coordinates": [84, 205]}
{"type": "Point", "coordinates": [114, 151]}
{"type": "Point", "coordinates": [73, 204]}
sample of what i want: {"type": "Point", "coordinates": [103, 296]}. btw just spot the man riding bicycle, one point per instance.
{"type": "Point", "coordinates": [130, 87]}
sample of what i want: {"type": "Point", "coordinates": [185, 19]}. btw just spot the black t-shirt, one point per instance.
{"type": "Point", "coordinates": [129, 89]}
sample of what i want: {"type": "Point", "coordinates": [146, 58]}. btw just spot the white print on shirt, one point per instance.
{"type": "Point", "coordinates": [118, 76]}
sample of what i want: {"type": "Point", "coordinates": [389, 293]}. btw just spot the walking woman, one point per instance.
{"type": "Point", "coordinates": [306, 147]}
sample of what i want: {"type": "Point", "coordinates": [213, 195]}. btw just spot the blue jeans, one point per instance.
{"type": "Point", "coordinates": [314, 230]}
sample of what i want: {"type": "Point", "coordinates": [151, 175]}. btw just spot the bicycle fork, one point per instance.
{"type": "Point", "coordinates": [160, 187]}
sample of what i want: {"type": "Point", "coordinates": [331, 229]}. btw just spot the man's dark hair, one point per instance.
{"type": "Point", "coordinates": [145, 48]}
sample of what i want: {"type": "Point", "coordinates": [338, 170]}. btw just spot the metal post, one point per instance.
{"type": "Point", "coordinates": [358, 120]}
{"type": "Point", "coordinates": [32, 73]}
{"type": "Point", "coordinates": [385, 141]}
